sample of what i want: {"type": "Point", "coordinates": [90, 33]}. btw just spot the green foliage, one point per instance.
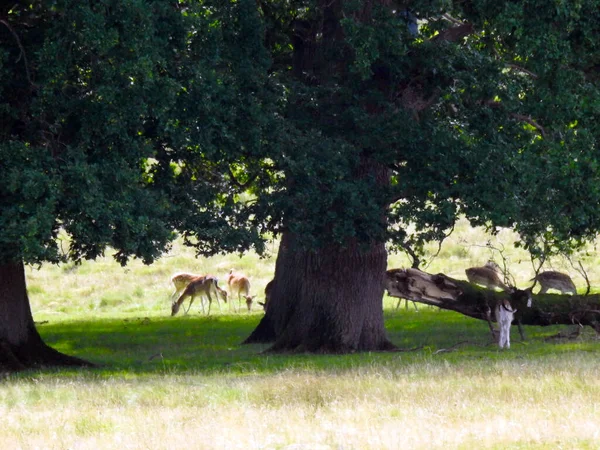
{"type": "Point", "coordinates": [125, 122]}
{"type": "Point", "coordinates": [119, 120]}
{"type": "Point", "coordinates": [499, 123]}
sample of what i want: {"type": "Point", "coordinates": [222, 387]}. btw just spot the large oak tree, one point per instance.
{"type": "Point", "coordinates": [403, 115]}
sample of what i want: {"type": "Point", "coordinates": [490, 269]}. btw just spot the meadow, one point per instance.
{"type": "Point", "coordinates": [186, 381]}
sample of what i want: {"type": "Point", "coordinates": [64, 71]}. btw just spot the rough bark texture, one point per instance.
{"type": "Point", "coordinates": [326, 301]}
{"type": "Point", "coordinates": [473, 301]}
{"type": "Point", "coordinates": [21, 346]}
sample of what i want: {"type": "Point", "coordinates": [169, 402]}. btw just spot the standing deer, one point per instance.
{"type": "Point", "coordinates": [487, 276]}
{"type": "Point", "coordinates": [505, 310]}
{"type": "Point", "coordinates": [240, 285]}
{"type": "Point", "coordinates": [182, 279]}
{"type": "Point", "coordinates": [555, 280]}
{"type": "Point", "coordinates": [202, 286]}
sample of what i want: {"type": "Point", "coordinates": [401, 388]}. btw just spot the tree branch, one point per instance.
{"type": "Point", "coordinates": [21, 48]}
{"type": "Point", "coordinates": [530, 121]}
{"type": "Point", "coordinates": [521, 69]}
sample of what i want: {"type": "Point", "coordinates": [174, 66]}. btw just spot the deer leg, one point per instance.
{"type": "Point", "coordinates": [202, 304]}
{"type": "Point", "coordinates": [398, 305]}
{"type": "Point", "coordinates": [217, 299]}
{"type": "Point", "coordinates": [190, 305]}
{"type": "Point", "coordinates": [521, 331]}
{"type": "Point", "coordinates": [488, 316]}
{"type": "Point", "coordinates": [209, 303]}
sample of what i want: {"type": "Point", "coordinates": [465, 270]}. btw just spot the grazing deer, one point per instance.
{"type": "Point", "coordinates": [504, 311]}
{"type": "Point", "coordinates": [202, 286]}
{"type": "Point", "coordinates": [182, 279]}
{"type": "Point", "coordinates": [240, 285]}
{"type": "Point", "coordinates": [268, 291]}
{"type": "Point", "coordinates": [487, 276]}
{"type": "Point", "coordinates": [555, 280]}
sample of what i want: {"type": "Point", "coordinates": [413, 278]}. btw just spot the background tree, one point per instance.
{"type": "Point", "coordinates": [120, 122]}
{"type": "Point", "coordinates": [489, 110]}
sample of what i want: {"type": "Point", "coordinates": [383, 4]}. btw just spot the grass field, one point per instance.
{"type": "Point", "coordinates": [186, 382]}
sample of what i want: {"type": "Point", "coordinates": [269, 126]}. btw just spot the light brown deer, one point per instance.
{"type": "Point", "coordinates": [555, 280]}
{"type": "Point", "coordinates": [201, 286]}
{"type": "Point", "coordinates": [240, 285]}
{"type": "Point", "coordinates": [488, 276]}
{"type": "Point", "coordinates": [182, 279]}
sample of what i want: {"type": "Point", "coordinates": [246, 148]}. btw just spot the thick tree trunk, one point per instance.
{"type": "Point", "coordinates": [326, 301]}
{"type": "Point", "coordinates": [21, 347]}
{"type": "Point", "coordinates": [473, 301]}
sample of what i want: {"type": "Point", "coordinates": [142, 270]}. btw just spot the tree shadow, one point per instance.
{"type": "Point", "coordinates": [198, 344]}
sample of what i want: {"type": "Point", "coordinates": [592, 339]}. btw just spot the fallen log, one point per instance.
{"type": "Point", "coordinates": [461, 296]}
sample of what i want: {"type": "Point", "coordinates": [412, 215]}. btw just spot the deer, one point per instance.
{"type": "Point", "coordinates": [551, 279]}
{"type": "Point", "coordinates": [488, 276]}
{"type": "Point", "coordinates": [240, 285]}
{"type": "Point", "coordinates": [268, 291]}
{"type": "Point", "coordinates": [504, 311]}
{"type": "Point", "coordinates": [182, 279]}
{"type": "Point", "coordinates": [202, 286]}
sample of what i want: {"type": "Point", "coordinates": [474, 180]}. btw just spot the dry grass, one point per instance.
{"type": "Point", "coordinates": [427, 404]}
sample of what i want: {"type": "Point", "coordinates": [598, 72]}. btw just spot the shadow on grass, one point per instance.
{"type": "Point", "coordinates": [199, 344]}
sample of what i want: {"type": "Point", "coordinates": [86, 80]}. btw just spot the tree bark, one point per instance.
{"type": "Point", "coordinates": [326, 301]}
{"type": "Point", "coordinates": [21, 346]}
{"type": "Point", "coordinates": [473, 301]}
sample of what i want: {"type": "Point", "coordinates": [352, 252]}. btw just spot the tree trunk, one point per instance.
{"type": "Point", "coordinates": [326, 301]}
{"type": "Point", "coordinates": [465, 298]}
{"type": "Point", "coordinates": [21, 347]}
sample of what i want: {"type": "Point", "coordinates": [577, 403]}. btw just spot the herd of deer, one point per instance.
{"type": "Point", "coordinates": [207, 286]}
{"type": "Point", "coordinates": [489, 276]}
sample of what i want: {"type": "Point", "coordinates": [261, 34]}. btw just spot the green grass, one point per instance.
{"type": "Point", "coordinates": [187, 382]}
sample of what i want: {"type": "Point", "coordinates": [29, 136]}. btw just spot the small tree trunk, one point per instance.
{"type": "Point", "coordinates": [326, 301]}
{"type": "Point", "coordinates": [21, 347]}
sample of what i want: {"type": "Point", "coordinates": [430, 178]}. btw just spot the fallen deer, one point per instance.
{"type": "Point", "coordinates": [551, 279]}
{"type": "Point", "coordinates": [240, 285]}
{"type": "Point", "coordinates": [201, 286]}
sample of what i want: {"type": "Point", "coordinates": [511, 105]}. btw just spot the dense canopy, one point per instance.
{"type": "Point", "coordinates": [125, 121]}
